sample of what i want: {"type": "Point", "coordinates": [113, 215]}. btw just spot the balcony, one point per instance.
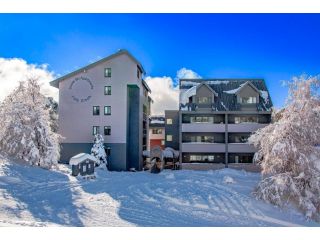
{"type": "Point", "coordinates": [240, 148]}
{"type": "Point", "coordinates": [245, 127]}
{"type": "Point", "coordinates": [203, 147]}
{"type": "Point", "coordinates": [203, 127]}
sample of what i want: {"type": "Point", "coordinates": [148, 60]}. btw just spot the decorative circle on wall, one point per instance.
{"type": "Point", "coordinates": [77, 96]}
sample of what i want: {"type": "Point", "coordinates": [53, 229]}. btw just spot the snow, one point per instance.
{"type": "Point", "coordinates": [189, 83]}
{"type": "Point", "coordinates": [216, 82]}
{"type": "Point", "coordinates": [265, 96]}
{"type": "Point", "coordinates": [37, 197]}
{"type": "Point", "coordinates": [185, 95]}
{"type": "Point", "coordinates": [228, 180]}
{"type": "Point", "coordinates": [154, 121]}
{"type": "Point", "coordinates": [81, 157]}
{"type": "Point", "coordinates": [233, 91]}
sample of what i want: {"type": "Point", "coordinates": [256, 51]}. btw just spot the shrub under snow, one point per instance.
{"type": "Point", "coordinates": [287, 151]}
{"type": "Point", "coordinates": [25, 131]}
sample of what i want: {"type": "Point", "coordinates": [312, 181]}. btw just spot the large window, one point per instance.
{"type": "Point", "coordinates": [169, 121]}
{"type": "Point", "coordinates": [201, 119]}
{"type": "Point", "coordinates": [204, 100]}
{"type": "Point", "coordinates": [241, 139]}
{"type": "Point", "coordinates": [201, 158]}
{"type": "Point", "coordinates": [107, 90]}
{"type": "Point", "coordinates": [107, 130]}
{"type": "Point", "coordinates": [157, 131]}
{"type": "Point", "coordinates": [248, 100]}
{"type": "Point", "coordinates": [107, 72]}
{"type": "Point", "coordinates": [95, 130]}
{"type": "Point", "coordinates": [107, 110]}
{"type": "Point", "coordinates": [246, 119]}
{"type": "Point", "coordinates": [203, 139]}
{"type": "Point", "coordinates": [169, 138]}
{"type": "Point", "coordinates": [96, 110]}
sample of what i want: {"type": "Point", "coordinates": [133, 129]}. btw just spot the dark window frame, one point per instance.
{"type": "Point", "coordinates": [109, 90]}
{"type": "Point", "coordinates": [107, 128]}
{"type": "Point", "coordinates": [104, 110]}
{"type": "Point", "coordinates": [94, 112]}
{"type": "Point", "coordinates": [98, 130]}
{"type": "Point", "coordinates": [107, 72]}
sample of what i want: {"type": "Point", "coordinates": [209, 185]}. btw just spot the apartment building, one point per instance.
{"type": "Point", "coordinates": [215, 119]}
{"type": "Point", "coordinates": [156, 132]}
{"type": "Point", "coordinates": [108, 97]}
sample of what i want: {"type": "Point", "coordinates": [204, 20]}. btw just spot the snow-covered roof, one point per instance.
{"type": "Point", "coordinates": [80, 158]}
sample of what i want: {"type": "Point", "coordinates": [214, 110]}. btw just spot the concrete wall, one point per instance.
{"type": "Point", "coordinates": [80, 92]}
{"type": "Point", "coordinates": [172, 129]}
{"type": "Point", "coordinates": [203, 147]}
{"type": "Point", "coordinates": [70, 111]}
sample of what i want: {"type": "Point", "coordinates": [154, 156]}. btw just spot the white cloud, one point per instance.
{"type": "Point", "coordinates": [184, 73]}
{"type": "Point", "coordinates": [13, 70]}
{"type": "Point", "coordinates": [164, 92]}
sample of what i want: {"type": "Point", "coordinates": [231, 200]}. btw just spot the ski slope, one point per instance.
{"type": "Point", "coordinates": [30, 196]}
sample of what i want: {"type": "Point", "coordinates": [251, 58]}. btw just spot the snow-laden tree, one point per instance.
{"type": "Point", "coordinates": [52, 107]}
{"type": "Point", "coordinates": [287, 151]}
{"type": "Point", "coordinates": [25, 131]}
{"type": "Point", "coordinates": [98, 150]}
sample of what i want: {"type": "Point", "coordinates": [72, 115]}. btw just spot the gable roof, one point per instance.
{"type": "Point", "coordinates": [246, 84]}
{"type": "Point", "coordinates": [226, 89]}
{"type": "Point", "coordinates": [55, 83]}
{"type": "Point", "coordinates": [204, 84]}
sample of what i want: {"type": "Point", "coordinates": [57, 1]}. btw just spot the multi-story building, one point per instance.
{"type": "Point", "coordinates": [215, 119]}
{"type": "Point", "coordinates": [156, 132]}
{"type": "Point", "coordinates": [108, 97]}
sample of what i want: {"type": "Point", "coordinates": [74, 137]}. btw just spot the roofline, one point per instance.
{"type": "Point", "coordinates": [205, 84]}
{"type": "Point", "coordinates": [146, 85]}
{"type": "Point", "coordinates": [245, 84]}
{"type": "Point", "coordinates": [221, 79]}
{"type": "Point", "coordinates": [55, 83]}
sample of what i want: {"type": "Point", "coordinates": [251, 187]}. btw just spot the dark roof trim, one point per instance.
{"type": "Point", "coordinates": [146, 85]}
{"type": "Point", "coordinates": [55, 83]}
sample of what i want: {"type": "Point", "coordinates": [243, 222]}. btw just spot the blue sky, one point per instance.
{"type": "Point", "coordinates": [270, 46]}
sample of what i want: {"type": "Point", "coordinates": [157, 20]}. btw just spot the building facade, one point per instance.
{"type": "Point", "coordinates": [108, 97]}
{"type": "Point", "coordinates": [156, 132]}
{"type": "Point", "coordinates": [215, 119]}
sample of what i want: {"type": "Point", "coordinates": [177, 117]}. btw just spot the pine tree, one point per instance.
{"type": "Point", "coordinates": [288, 153]}
{"type": "Point", "coordinates": [98, 150]}
{"type": "Point", "coordinates": [25, 131]}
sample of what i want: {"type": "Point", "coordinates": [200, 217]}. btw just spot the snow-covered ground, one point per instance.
{"type": "Point", "coordinates": [32, 196]}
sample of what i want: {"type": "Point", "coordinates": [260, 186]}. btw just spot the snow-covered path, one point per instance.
{"type": "Point", "coordinates": [36, 197]}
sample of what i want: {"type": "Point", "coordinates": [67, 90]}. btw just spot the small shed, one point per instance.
{"type": "Point", "coordinates": [82, 163]}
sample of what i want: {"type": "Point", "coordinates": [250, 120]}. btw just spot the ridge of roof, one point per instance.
{"type": "Point", "coordinates": [55, 83]}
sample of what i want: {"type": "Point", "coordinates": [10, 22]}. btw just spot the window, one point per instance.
{"type": "Point", "coordinates": [241, 139]}
{"type": "Point", "coordinates": [107, 90]}
{"type": "Point", "coordinates": [204, 100]}
{"type": "Point", "coordinates": [96, 110]}
{"type": "Point", "coordinates": [201, 158]}
{"type": "Point", "coordinates": [248, 100]}
{"type": "Point", "coordinates": [169, 121]}
{"type": "Point", "coordinates": [107, 130]}
{"type": "Point", "coordinates": [236, 159]}
{"type": "Point", "coordinates": [246, 119]}
{"type": "Point", "coordinates": [204, 139]}
{"type": "Point", "coordinates": [107, 72]}
{"type": "Point", "coordinates": [107, 110]}
{"type": "Point", "coordinates": [169, 138]}
{"type": "Point", "coordinates": [95, 130]}
{"type": "Point", "coordinates": [201, 119]}
{"type": "Point", "coordinates": [157, 131]}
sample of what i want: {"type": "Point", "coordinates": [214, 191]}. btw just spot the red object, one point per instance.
{"type": "Point", "coordinates": [156, 142]}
